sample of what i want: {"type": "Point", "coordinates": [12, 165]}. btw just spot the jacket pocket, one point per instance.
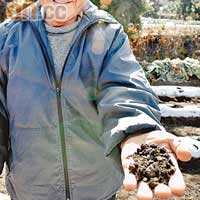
{"type": "Point", "coordinates": [35, 157]}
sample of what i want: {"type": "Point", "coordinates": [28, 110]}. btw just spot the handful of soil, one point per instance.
{"type": "Point", "coordinates": [152, 164]}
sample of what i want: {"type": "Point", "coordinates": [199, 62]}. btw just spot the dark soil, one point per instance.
{"type": "Point", "coordinates": [152, 164]}
{"type": "Point", "coordinates": [192, 82]}
{"type": "Point", "coordinates": [179, 121]}
{"type": "Point", "coordinates": [179, 99]}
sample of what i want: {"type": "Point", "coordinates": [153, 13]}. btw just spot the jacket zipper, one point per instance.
{"type": "Point", "coordinates": [51, 72]}
{"type": "Point", "coordinates": [62, 140]}
{"type": "Point", "coordinates": [57, 83]}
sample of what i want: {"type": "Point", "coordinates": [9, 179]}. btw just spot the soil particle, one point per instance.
{"type": "Point", "coordinates": [152, 164]}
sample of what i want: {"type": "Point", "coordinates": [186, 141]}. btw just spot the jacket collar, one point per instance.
{"type": "Point", "coordinates": [91, 15]}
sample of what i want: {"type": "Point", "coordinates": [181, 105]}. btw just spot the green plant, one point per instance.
{"type": "Point", "coordinates": [175, 70]}
{"type": "Point", "coordinates": [125, 11]}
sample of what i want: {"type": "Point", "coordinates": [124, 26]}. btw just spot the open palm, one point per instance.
{"type": "Point", "coordinates": [177, 150]}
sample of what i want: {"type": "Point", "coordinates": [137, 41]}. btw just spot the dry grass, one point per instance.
{"type": "Point", "coordinates": [162, 42]}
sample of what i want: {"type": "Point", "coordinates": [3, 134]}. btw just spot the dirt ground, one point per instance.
{"type": "Point", "coordinates": [191, 172]}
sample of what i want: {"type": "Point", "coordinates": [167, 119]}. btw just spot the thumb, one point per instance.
{"type": "Point", "coordinates": [181, 149]}
{"type": "Point", "coordinates": [128, 148]}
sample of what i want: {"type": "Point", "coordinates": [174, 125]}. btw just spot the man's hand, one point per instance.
{"type": "Point", "coordinates": [176, 148]}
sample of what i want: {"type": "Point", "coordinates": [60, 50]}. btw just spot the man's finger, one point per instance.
{"type": "Point", "coordinates": [128, 149]}
{"type": "Point", "coordinates": [176, 182]}
{"type": "Point", "coordinates": [162, 191]}
{"type": "Point", "coordinates": [183, 153]}
{"type": "Point", "coordinates": [130, 182]}
{"type": "Point", "coordinates": [144, 192]}
{"type": "Point", "coordinates": [163, 141]}
{"type": "Point", "coordinates": [181, 150]}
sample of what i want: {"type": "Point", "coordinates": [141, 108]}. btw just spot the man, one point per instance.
{"type": "Point", "coordinates": [73, 99]}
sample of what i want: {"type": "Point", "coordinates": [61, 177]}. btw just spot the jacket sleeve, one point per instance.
{"type": "Point", "coordinates": [3, 110]}
{"type": "Point", "coordinates": [125, 101]}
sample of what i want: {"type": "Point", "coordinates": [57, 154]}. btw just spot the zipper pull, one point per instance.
{"type": "Point", "coordinates": [58, 92]}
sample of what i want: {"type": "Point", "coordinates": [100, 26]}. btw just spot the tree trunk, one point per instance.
{"type": "Point", "coordinates": [2, 10]}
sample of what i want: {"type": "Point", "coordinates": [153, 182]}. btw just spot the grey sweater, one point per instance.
{"type": "Point", "coordinates": [60, 39]}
